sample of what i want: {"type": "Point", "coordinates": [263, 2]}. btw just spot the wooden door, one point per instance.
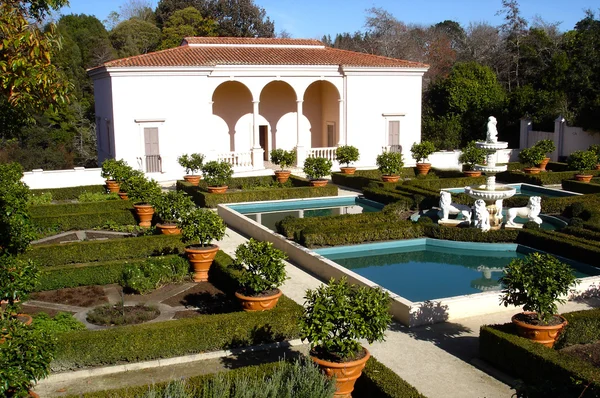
{"type": "Point", "coordinates": [263, 139]}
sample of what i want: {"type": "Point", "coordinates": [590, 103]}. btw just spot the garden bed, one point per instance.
{"type": "Point", "coordinates": [85, 296]}
{"type": "Point", "coordinates": [205, 298]}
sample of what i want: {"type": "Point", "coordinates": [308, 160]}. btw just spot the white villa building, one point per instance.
{"type": "Point", "coordinates": [235, 99]}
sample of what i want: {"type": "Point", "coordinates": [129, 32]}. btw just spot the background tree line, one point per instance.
{"type": "Point", "coordinates": [520, 68]}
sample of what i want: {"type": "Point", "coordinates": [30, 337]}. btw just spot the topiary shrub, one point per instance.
{"type": "Point", "coordinates": [582, 161]}
{"type": "Point", "coordinates": [317, 168]}
{"type": "Point", "coordinates": [420, 152]}
{"type": "Point", "coordinates": [346, 154]}
{"type": "Point", "coordinates": [262, 267]}
{"type": "Point", "coordinates": [390, 163]}
{"type": "Point", "coordinates": [217, 174]}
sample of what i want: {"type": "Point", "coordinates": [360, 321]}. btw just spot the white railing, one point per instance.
{"type": "Point", "coordinates": [238, 160]}
{"type": "Point", "coordinates": [391, 148]}
{"type": "Point", "coordinates": [327, 153]}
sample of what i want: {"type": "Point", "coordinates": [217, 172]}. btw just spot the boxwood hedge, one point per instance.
{"type": "Point", "coordinates": [582, 187]}
{"type": "Point", "coordinates": [69, 193]}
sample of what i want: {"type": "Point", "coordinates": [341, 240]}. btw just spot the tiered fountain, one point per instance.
{"type": "Point", "coordinates": [490, 193]}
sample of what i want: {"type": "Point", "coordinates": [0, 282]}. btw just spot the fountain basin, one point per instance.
{"type": "Point", "coordinates": [493, 146]}
{"type": "Point", "coordinates": [490, 169]}
{"type": "Point", "coordinates": [491, 193]}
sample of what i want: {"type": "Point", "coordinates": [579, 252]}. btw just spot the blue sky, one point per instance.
{"type": "Point", "coordinates": [315, 18]}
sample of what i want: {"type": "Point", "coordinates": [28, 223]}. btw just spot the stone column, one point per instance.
{"type": "Point", "coordinates": [342, 140]}
{"type": "Point", "coordinates": [300, 148]}
{"type": "Point", "coordinates": [257, 151]}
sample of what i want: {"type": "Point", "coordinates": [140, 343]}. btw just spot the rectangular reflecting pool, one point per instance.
{"type": "Point", "coordinates": [269, 213]}
{"type": "Point", "coordinates": [428, 269]}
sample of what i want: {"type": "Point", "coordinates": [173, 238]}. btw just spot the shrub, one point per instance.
{"type": "Point", "coordinates": [70, 193]}
{"type": "Point", "coordinates": [581, 187]}
{"type": "Point", "coordinates": [421, 151]}
{"type": "Point", "coordinates": [40, 199]}
{"type": "Point", "coordinates": [390, 163]}
{"type": "Point", "coordinates": [80, 221]}
{"type": "Point", "coordinates": [202, 226]}
{"type": "Point", "coordinates": [154, 273]}
{"type": "Point", "coordinates": [173, 205]}
{"type": "Point", "coordinates": [316, 168]}
{"type": "Point", "coordinates": [116, 170]}
{"type": "Point", "coordinates": [596, 149]}
{"type": "Point", "coordinates": [532, 156]}
{"type": "Point", "coordinates": [16, 231]}
{"type": "Point", "coordinates": [379, 381]}
{"type": "Point", "coordinates": [346, 154]}
{"type": "Point", "coordinates": [262, 266]}
{"type": "Point", "coordinates": [19, 277]}
{"type": "Point", "coordinates": [283, 158]}
{"type": "Point", "coordinates": [582, 161]}
{"type": "Point", "coordinates": [472, 155]}
{"type": "Point", "coordinates": [96, 197]}
{"type": "Point", "coordinates": [60, 323]}
{"type": "Point", "coordinates": [191, 163]}
{"type": "Point", "coordinates": [217, 174]}
{"type": "Point", "coordinates": [536, 282]}
{"type": "Point", "coordinates": [338, 314]}
{"type": "Point", "coordinates": [546, 146]}
{"type": "Point", "coordinates": [140, 189]}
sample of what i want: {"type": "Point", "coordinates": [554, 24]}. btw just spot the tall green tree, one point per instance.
{"type": "Point", "coordinates": [134, 37]}
{"type": "Point", "coordinates": [185, 23]}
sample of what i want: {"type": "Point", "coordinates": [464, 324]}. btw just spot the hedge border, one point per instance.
{"type": "Point", "coordinates": [544, 178]}
{"type": "Point", "coordinates": [60, 209]}
{"type": "Point", "coordinates": [582, 187]}
{"type": "Point", "coordinates": [69, 193]}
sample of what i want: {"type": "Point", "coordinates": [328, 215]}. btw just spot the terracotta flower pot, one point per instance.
{"type": "Point", "coordinates": [348, 170]}
{"type": "Point", "coordinates": [123, 195]}
{"type": "Point", "coordinates": [282, 176]}
{"type": "Point", "coordinates": [345, 373]}
{"type": "Point", "coordinates": [386, 178]}
{"type": "Point", "coordinates": [598, 166]}
{"type": "Point", "coordinates": [542, 166]}
{"type": "Point", "coordinates": [144, 213]}
{"type": "Point", "coordinates": [472, 173]}
{"type": "Point", "coordinates": [318, 183]}
{"type": "Point", "coordinates": [201, 259]}
{"type": "Point", "coordinates": [545, 335]}
{"type": "Point", "coordinates": [192, 179]}
{"type": "Point", "coordinates": [112, 186]}
{"type": "Point", "coordinates": [531, 170]}
{"type": "Point", "coordinates": [423, 168]}
{"type": "Point", "coordinates": [258, 303]}
{"type": "Point", "coordinates": [168, 229]}
{"type": "Point", "coordinates": [26, 319]}
{"type": "Point", "coordinates": [217, 189]}
{"type": "Point", "coordinates": [583, 177]}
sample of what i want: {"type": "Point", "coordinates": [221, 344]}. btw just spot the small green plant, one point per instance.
{"type": "Point", "coordinates": [202, 226]}
{"type": "Point", "coordinates": [96, 197]}
{"type": "Point", "coordinates": [346, 154]}
{"type": "Point", "coordinates": [472, 155]}
{"type": "Point", "coordinates": [283, 158]}
{"type": "Point", "coordinates": [537, 282]}
{"type": "Point", "coordinates": [262, 266]}
{"type": "Point", "coordinates": [546, 146]}
{"type": "Point", "coordinates": [317, 168]}
{"type": "Point", "coordinates": [420, 152]}
{"type": "Point", "coordinates": [337, 315]}
{"type": "Point", "coordinates": [582, 161]}
{"type": "Point", "coordinates": [41, 199]}
{"type": "Point", "coordinates": [154, 273]}
{"type": "Point", "coordinates": [120, 314]}
{"type": "Point", "coordinates": [140, 189]}
{"type": "Point", "coordinates": [217, 174]}
{"type": "Point", "coordinates": [191, 163]}
{"type": "Point", "coordinates": [390, 163]}
{"type": "Point", "coordinates": [531, 156]}
{"type": "Point", "coordinates": [60, 323]}
{"type": "Point", "coordinates": [116, 170]}
{"type": "Point", "coordinates": [18, 277]}
{"type": "Point", "coordinates": [596, 149]}
{"type": "Point", "coordinates": [171, 206]}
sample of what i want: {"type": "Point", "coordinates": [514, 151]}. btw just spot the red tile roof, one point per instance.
{"type": "Point", "coordinates": [211, 51]}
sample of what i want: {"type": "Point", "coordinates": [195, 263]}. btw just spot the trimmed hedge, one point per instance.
{"type": "Point", "coordinates": [439, 183]}
{"type": "Point", "coordinates": [470, 234]}
{"type": "Point", "coordinates": [115, 249]}
{"type": "Point", "coordinates": [69, 222]}
{"type": "Point", "coordinates": [581, 187]}
{"type": "Point", "coordinates": [70, 193]}
{"type": "Point", "coordinates": [298, 191]}
{"type": "Point", "coordinates": [564, 245]}
{"type": "Point", "coordinates": [362, 178]}
{"type": "Point", "coordinates": [583, 328]}
{"type": "Point", "coordinates": [61, 209]}
{"type": "Point", "coordinates": [546, 371]}
{"type": "Point", "coordinates": [547, 178]}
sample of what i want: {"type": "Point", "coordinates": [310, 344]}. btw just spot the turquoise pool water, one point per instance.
{"type": "Point", "coordinates": [428, 269]}
{"type": "Point", "coordinates": [269, 213]}
{"type": "Point", "coordinates": [528, 190]}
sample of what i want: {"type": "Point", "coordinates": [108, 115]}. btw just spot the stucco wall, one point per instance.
{"type": "Point", "coordinates": [104, 119]}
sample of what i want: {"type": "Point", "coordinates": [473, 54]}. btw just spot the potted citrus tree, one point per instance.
{"type": "Point", "coordinates": [347, 154]}
{"type": "Point", "coordinates": [317, 168]}
{"type": "Point", "coordinates": [263, 272]}
{"type": "Point", "coordinates": [170, 207]}
{"type": "Point", "coordinates": [201, 226]}
{"type": "Point", "coordinates": [390, 165]}
{"type": "Point", "coordinates": [336, 316]}
{"type": "Point", "coordinates": [531, 157]}
{"type": "Point", "coordinates": [143, 193]}
{"type": "Point", "coordinates": [596, 149]}
{"type": "Point", "coordinates": [217, 175]}
{"type": "Point", "coordinates": [582, 161]}
{"type": "Point", "coordinates": [284, 159]}
{"type": "Point", "coordinates": [420, 152]}
{"type": "Point", "coordinates": [469, 157]}
{"type": "Point", "coordinates": [115, 172]}
{"type": "Point", "coordinates": [192, 164]}
{"type": "Point", "coordinates": [537, 282]}
{"type": "Point", "coordinates": [547, 147]}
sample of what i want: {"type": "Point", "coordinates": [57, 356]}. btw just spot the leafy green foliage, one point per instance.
{"type": "Point", "coordinates": [379, 381]}
{"type": "Point", "coordinates": [537, 282]}
{"type": "Point", "coordinates": [532, 156]}
{"type": "Point", "coordinates": [390, 163]}
{"type": "Point", "coordinates": [546, 146]}
{"type": "Point", "coordinates": [97, 197]}
{"type": "Point", "coordinates": [444, 131]}
{"type": "Point", "coordinates": [135, 37]}
{"type": "Point", "coordinates": [283, 158]}
{"type": "Point", "coordinates": [316, 168]}
{"type": "Point", "coordinates": [202, 226]}
{"type": "Point", "coordinates": [191, 163]}
{"type": "Point", "coordinates": [60, 323]}
{"type": "Point", "coordinates": [187, 22]}
{"type": "Point", "coordinates": [117, 170]}
{"type": "Point", "coordinates": [19, 277]}
{"type": "Point", "coordinates": [338, 314]}
{"type": "Point", "coordinates": [346, 154]}
{"type": "Point", "coordinates": [421, 151]}
{"type": "Point", "coordinates": [15, 228]}
{"type": "Point", "coordinates": [596, 149]}
{"type": "Point", "coordinates": [582, 160]}
{"type": "Point", "coordinates": [140, 189]}
{"type": "Point", "coordinates": [154, 273]}
{"type": "Point", "coordinates": [173, 205]}
{"type": "Point", "coordinates": [262, 266]}
{"type": "Point", "coordinates": [70, 193]}
{"type": "Point", "coordinates": [472, 155]}
{"type": "Point", "coordinates": [41, 199]}
{"type": "Point", "coordinates": [217, 174]}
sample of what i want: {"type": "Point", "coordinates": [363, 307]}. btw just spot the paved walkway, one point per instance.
{"type": "Point", "coordinates": [440, 360]}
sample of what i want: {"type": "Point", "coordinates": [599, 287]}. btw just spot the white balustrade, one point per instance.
{"type": "Point", "coordinates": [327, 153]}
{"type": "Point", "coordinates": [238, 160]}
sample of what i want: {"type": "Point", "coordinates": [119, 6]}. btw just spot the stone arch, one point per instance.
{"type": "Point", "coordinates": [231, 101]}
{"type": "Point", "coordinates": [277, 99]}
{"type": "Point", "coordinates": [321, 106]}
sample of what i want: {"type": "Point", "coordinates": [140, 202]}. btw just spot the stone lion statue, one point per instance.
{"type": "Point", "coordinates": [531, 211]}
{"type": "Point", "coordinates": [448, 208]}
{"type": "Point", "coordinates": [492, 131]}
{"type": "Point", "coordinates": [482, 216]}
